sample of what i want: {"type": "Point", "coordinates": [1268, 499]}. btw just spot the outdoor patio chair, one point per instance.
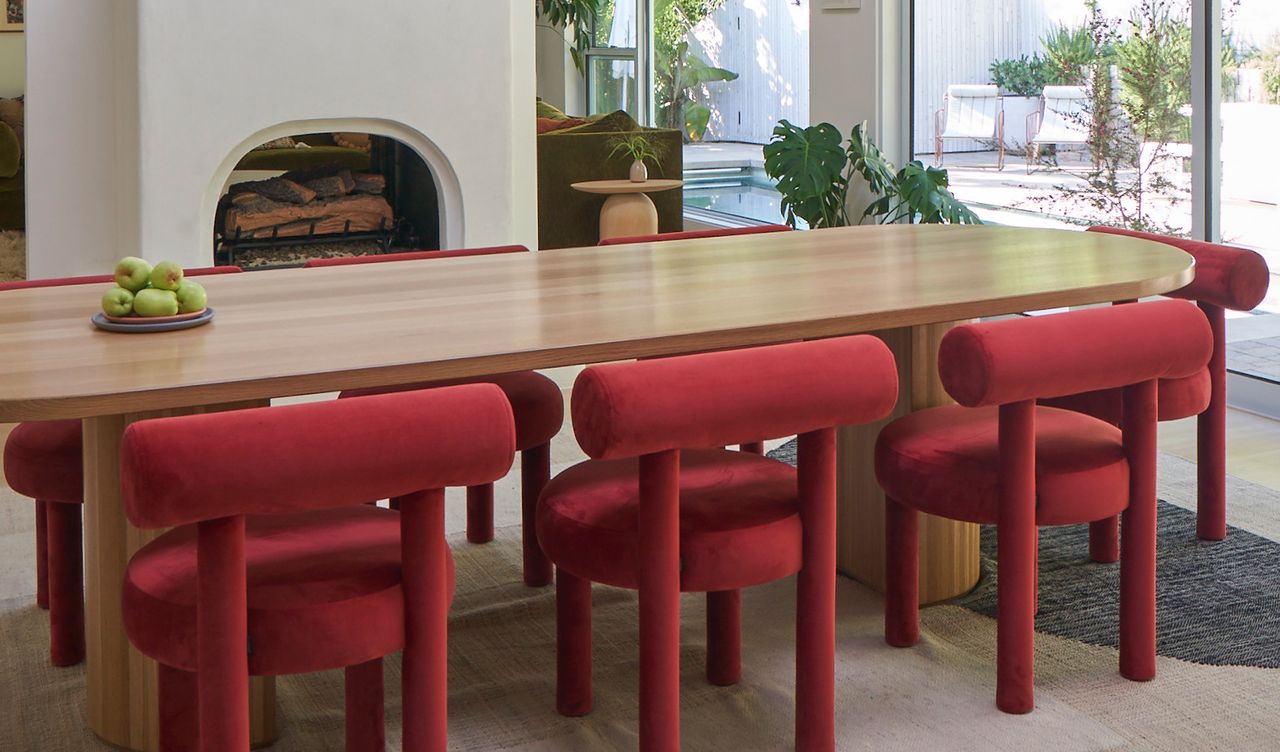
{"type": "Point", "coordinates": [970, 111]}
{"type": "Point", "coordinates": [1061, 120]}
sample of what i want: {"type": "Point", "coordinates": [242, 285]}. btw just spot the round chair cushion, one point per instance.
{"type": "Point", "coordinates": [536, 402]}
{"type": "Point", "coordinates": [323, 591]}
{"type": "Point", "coordinates": [42, 460]}
{"type": "Point", "coordinates": [1179, 398]}
{"type": "Point", "coordinates": [739, 520]}
{"type": "Point", "coordinates": [946, 461]}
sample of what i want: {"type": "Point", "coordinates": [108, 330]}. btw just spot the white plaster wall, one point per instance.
{"type": "Point", "coordinates": [205, 82]}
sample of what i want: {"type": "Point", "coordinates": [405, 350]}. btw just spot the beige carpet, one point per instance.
{"type": "Point", "coordinates": [13, 255]}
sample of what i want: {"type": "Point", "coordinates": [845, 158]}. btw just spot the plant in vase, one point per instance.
{"type": "Point", "coordinates": [815, 171]}
{"type": "Point", "coordinates": [640, 149]}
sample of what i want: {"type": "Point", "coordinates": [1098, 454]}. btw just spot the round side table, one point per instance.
{"type": "Point", "coordinates": [627, 211]}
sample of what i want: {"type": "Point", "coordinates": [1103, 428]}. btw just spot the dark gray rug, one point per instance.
{"type": "Point", "coordinates": [1217, 603]}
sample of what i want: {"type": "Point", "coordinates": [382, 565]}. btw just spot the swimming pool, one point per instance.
{"type": "Point", "coordinates": [742, 192]}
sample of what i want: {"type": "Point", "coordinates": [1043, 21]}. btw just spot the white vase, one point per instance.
{"type": "Point", "coordinates": [639, 172]}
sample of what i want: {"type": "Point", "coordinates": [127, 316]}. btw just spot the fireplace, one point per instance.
{"type": "Point", "coordinates": [326, 194]}
{"type": "Point", "coordinates": [139, 112]}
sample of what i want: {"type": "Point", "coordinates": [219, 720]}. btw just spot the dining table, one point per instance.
{"type": "Point", "coordinates": [287, 332]}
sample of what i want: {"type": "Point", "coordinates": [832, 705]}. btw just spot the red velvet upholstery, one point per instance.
{"type": "Point", "coordinates": [662, 508]}
{"type": "Point", "coordinates": [1179, 398]}
{"type": "Point", "coordinates": [693, 234]}
{"type": "Point", "coordinates": [1051, 356]}
{"type": "Point", "coordinates": [739, 521]}
{"type": "Point", "coordinates": [1018, 465]}
{"type": "Point", "coordinates": [766, 393]}
{"type": "Point", "coordinates": [323, 591]}
{"type": "Point", "coordinates": [42, 460]}
{"type": "Point", "coordinates": [946, 461]}
{"type": "Point", "coordinates": [1226, 276]}
{"type": "Point", "coordinates": [325, 581]}
{"type": "Point", "coordinates": [171, 480]}
{"type": "Point", "coordinates": [536, 402]}
{"type": "Point", "coordinates": [413, 256]}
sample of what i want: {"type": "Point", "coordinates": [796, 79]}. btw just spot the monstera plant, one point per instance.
{"type": "Point", "coordinates": [815, 170]}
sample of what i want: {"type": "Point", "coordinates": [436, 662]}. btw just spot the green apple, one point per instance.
{"type": "Point", "coordinates": [117, 302]}
{"type": "Point", "coordinates": [153, 302]}
{"type": "Point", "coordinates": [191, 297]}
{"type": "Point", "coordinates": [132, 273]}
{"type": "Point", "coordinates": [166, 275]}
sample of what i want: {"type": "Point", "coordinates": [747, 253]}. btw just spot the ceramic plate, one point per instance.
{"type": "Point", "coordinates": [138, 324]}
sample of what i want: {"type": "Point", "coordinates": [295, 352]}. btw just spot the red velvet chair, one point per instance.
{"type": "Point", "coordinates": [719, 232]}
{"type": "Point", "coordinates": [998, 458]}
{"type": "Point", "coordinates": [1226, 278]}
{"type": "Point", "coordinates": [662, 508]}
{"type": "Point", "coordinates": [539, 411]}
{"type": "Point", "coordinates": [42, 461]}
{"type": "Point", "coordinates": [320, 579]}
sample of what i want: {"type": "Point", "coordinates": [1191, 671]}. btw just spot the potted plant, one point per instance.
{"type": "Point", "coordinates": [1021, 81]}
{"type": "Point", "coordinates": [640, 149]}
{"type": "Point", "coordinates": [815, 172]}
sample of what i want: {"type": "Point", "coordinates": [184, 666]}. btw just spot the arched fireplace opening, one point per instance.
{"type": "Point", "coordinates": [323, 195]}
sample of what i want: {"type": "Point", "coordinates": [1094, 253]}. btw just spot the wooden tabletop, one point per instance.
{"type": "Point", "coordinates": [301, 331]}
{"type": "Point", "coordinates": [626, 186]}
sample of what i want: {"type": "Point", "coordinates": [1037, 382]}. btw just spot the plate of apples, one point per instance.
{"type": "Point", "coordinates": [149, 298]}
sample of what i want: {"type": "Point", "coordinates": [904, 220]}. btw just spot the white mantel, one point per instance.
{"type": "Point", "coordinates": [139, 109]}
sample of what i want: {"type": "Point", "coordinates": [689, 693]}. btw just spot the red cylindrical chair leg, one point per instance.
{"type": "Point", "coordinates": [724, 637]}
{"type": "Point", "coordinates": [66, 584]}
{"type": "Point", "coordinates": [480, 513]}
{"type": "Point", "coordinates": [42, 554]}
{"type": "Point", "coordinates": [1104, 540]}
{"type": "Point", "coordinates": [535, 471]}
{"type": "Point", "coordinates": [426, 647]}
{"type": "Point", "coordinates": [659, 580]}
{"type": "Point", "coordinates": [901, 575]}
{"type": "Point", "coordinates": [1211, 438]}
{"type": "Point", "coordinates": [1138, 537]}
{"type": "Point", "coordinates": [573, 644]}
{"type": "Point", "coordinates": [222, 636]}
{"type": "Point", "coordinates": [752, 447]}
{"type": "Point", "coordinates": [179, 710]}
{"type": "Point", "coordinates": [1016, 552]}
{"type": "Point", "coordinates": [364, 705]}
{"type": "Point", "coordinates": [816, 594]}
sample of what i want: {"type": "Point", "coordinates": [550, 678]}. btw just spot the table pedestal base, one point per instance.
{"type": "Point", "coordinates": [948, 550]}
{"type": "Point", "coordinates": [626, 214]}
{"type": "Point", "coordinates": [121, 682]}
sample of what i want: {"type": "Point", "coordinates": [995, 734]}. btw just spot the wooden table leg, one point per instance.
{"type": "Point", "coordinates": [625, 214]}
{"type": "Point", "coordinates": [948, 550]}
{"type": "Point", "coordinates": [121, 681]}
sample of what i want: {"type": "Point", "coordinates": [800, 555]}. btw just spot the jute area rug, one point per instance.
{"type": "Point", "coordinates": [13, 255]}
{"type": "Point", "coordinates": [937, 695]}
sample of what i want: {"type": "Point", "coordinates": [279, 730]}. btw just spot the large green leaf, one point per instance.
{"type": "Point", "coordinates": [924, 198]}
{"type": "Point", "coordinates": [696, 118]}
{"type": "Point", "coordinates": [809, 167]}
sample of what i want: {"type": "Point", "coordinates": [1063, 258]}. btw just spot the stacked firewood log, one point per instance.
{"type": "Point", "coordinates": [320, 201]}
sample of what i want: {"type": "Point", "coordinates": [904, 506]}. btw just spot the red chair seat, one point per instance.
{"type": "Point", "coordinates": [739, 520]}
{"type": "Point", "coordinates": [323, 591]}
{"type": "Point", "coordinates": [536, 402]}
{"type": "Point", "coordinates": [42, 460]}
{"type": "Point", "coordinates": [1178, 399]}
{"type": "Point", "coordinates": [946, 461]}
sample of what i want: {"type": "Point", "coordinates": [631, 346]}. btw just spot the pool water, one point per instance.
{"type": "Point", "coordinates": [745, 193]}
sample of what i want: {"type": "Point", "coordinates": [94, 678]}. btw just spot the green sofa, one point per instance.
{"type": "Point", "coordinates": [13, 204]}
{"type": "Point", "coordinates": [569, 218]}
{"type": "Point", "coordinates": [322, 151]}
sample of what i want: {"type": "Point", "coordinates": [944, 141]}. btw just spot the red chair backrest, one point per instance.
{"type": "Point", "coordinates": [94, 279]}
{"type": "Point", "coordinates": [718, 398]}
{"type": "Point", "coordinates": [177, 471]}
{"type": "Point", "coordinates": [692, 234]}
{"type": "Point", "coordinates": [1019, 359]}
{"type": "Point", "coordinates": [413, 256]}
{"type": "Point", "coordinates": [1226, 276]}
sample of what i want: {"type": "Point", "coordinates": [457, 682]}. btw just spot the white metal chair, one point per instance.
{"type": "Point", "coordinates": [970, 111]}
{"type": "Point", "coordinates": [1061, 120]}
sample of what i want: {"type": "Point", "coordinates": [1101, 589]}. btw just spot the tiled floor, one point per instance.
{"type": "Point", "coordinates": [1256, 357]}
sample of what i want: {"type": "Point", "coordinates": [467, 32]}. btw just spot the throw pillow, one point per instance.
{"type": "Point", "coordinates": [546, 125]}
{"type": "Point", "coordinates": [11, 114]}
{"type": "Point", "coordinates": [548, 110]}
{"type": "Point", "coordinates": [10, 152]}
